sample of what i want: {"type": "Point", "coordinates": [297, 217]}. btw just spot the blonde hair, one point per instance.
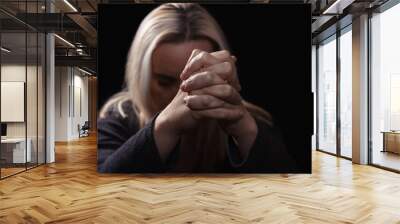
{"type": "Point", "coordinates": [170, 22]}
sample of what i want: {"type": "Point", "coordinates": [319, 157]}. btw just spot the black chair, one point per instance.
{"type": "Point", "coordinates": [84, 130]}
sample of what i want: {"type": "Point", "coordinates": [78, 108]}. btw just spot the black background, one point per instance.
{"type": "Point", "coordinates": [273, 47]}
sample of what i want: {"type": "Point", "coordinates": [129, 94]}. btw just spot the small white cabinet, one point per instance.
{"type": "Point", "coordinates": [16, 147]}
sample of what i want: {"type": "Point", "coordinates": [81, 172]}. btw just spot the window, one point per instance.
{"type": "Point", "coordinates": [346, 93]}
{"type": "Point", "coordinates": [385, 88]}
{"type": "Point", "coordinates": [327, 95]}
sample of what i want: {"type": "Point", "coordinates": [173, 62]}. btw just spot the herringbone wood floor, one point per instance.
{"type": "Point", "coordinates": [71, 191]}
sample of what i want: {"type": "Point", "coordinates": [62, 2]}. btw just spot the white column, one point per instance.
{"type": "Point", "coordinates": [360, 90]}
{"type": "Point", "coordinates": [50, 93]}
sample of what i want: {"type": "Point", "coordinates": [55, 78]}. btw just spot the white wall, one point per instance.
{"type": "Point", "coordinates": [61, 103]}
{"type": "Point", "coordinates": [71, 87]}
{"type": "Point", "coordinates": [16, 72]}
{"type": "Point", "coordinates": [80, 94]}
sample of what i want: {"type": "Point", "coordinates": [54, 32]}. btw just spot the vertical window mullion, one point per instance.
{"type": "Point", "coordinates": [317, 96]}
{"type": "Point", "coordinates": [338, 76]}
{"type": "Point", "coordinates": [37, 89]}
{"type": "Point", "coordinates": [369, 77]}
{"type": "Point", "coordinates": [26, 86]}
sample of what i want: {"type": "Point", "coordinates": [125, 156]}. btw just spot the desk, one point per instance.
{"type": "Point", "coordinates": [13, 150]}
{"type": "Point", "coordinates": [391, 141]}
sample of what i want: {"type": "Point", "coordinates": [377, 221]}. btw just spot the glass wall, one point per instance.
{"type": "Point", "coordinates": [334, 94]}
{"type": "Point", "coordinates": [327, 95]}
{"type": "Point", "coordinates": [13, 89]}
{"type": "Point", "coordinates": [22, 92]}
{"type": "Point", "coordinates": [346, 92]}
{"type": "Point", "coordinates": [385, 88]}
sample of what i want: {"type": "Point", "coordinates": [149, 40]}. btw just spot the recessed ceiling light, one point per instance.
{"type": "Point", "coordinates": [5, 50]}
{"type": "Point", "coordinates": [84, 71]}
{"type": "Point", "coordinates": [64, 40]}
{"type": "Point", "coordinates": [70, 5]}
{"type": "Point", "coordinates": [338, 6]}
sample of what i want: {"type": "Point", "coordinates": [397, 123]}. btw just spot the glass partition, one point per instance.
{"type": "Point", "coordinates": [31, 99]}
{"type": "Point", "coordinates": [346, 93]}
{"type": "Point", "coordinates": [15, 150]}
{"type": "Point", "coordinates": [385, 88]}
{"type": "Point", "coordinates": [23, 90]}
{"type": "Point", "coordinates": [327, 95]}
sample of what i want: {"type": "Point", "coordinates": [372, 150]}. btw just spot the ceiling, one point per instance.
{"type": "Point", "coordinates": [76, 22]}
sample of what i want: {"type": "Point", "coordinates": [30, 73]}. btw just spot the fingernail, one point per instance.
{"type": "Point", "coordinates": [183, 72]}
{"type": "Point", "coordinates": [185, 84]}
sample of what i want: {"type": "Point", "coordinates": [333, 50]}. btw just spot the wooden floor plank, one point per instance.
{"type": "Point", "coordinates": [71, 191]}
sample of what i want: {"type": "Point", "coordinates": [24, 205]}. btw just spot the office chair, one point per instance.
{"type": "Point", "coordinates": [84, 130]}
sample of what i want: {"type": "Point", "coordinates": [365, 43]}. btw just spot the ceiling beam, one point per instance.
{"type": "Point", "coordinates": [84, 61]}
{"type": "Point", "coordinates": [86, 26]}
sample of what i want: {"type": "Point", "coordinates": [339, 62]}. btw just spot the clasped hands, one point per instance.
{"type": "Point", "coordinates": [212, 88]}
{"type": "Point", "coordinates": [209, 90]}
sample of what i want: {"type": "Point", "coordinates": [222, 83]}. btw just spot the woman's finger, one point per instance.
{"type": "Point", "coordinates": [222, 91]}
{"type": "Point", "coordinates": [225, 56]}
{"type": "Point", "coordinates": [205, 58]}
{"type": "Point", "coordinates": [222, 55]}
{"type": "Point", "coordinates": [221, 113]}
{"type": "Point", "coordinates": [221, 61]}
{"type": "Point", "coordinates": [192, 55]}
{"type": "Point", "coordinates": [224, 70]}
{"type": "Point", "coordinates": [200, 60]}
{"type": "Point", "coordinates": [234, 58]}
{"type": "Point", "coordinates": [203, 102]}
{"type": "Point", "coordinates": [201, 80]}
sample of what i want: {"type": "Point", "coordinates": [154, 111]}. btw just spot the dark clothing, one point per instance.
{"type": "Point", "coordinates": [125, 147]}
